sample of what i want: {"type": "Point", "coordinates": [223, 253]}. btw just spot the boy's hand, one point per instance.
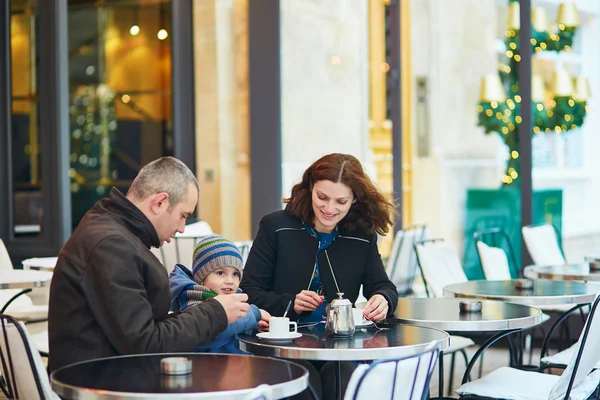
{"type": "Point", "coordinates": [264, 319]}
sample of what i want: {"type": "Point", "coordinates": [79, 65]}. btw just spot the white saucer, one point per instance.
{"type": "Point", "coordinates": [267, 336]}
{"type": "Point", "coordinates": [364, 324]}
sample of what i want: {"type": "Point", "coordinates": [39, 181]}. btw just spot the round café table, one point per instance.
{"type": "Point", "coordinates": [396, 341]}
{"type": "Point", "coordinates": [566, 272]}
{"type": "Point", "coordinates": [213, 377]}
{"type": "Point", "coordinates": [445, 313]}
{"type": "Point", "coordinates": [24, 279]}
{"type": "Point", "coordinates": [40, 263]}
{"type": "Point", "coordinates": [543, 292]}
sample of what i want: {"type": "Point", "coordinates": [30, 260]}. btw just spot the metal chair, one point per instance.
{"type": "Point", "coordinates": [496, 253]}
{"type": "Point", "coordinates": [398, 379]}
{"type": "Point", "coordinates": [244, 247]}
{"type": "Point", "coordinates": [543, 243]}
{"type": "Point", "coordinates": [577, 381]}
{"type": "Point", "coordinates": [440, 266]}
{"type": "Point", "coordinates": [16, 301]}
{"type": "Point", "coordinates": [401, 266]}
{"type": "Point", "coordinates": [261, 392]}
{"type": "Point", "coordinates": [23, 372]}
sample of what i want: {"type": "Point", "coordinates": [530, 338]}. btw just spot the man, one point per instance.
{"type": "Point", "coordinates": [110, 295]}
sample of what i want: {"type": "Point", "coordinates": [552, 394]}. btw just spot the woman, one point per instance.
{"type": "Point", "coordinates": [337, 210]}
{"type": "Point", "coordinates": [324, 242]}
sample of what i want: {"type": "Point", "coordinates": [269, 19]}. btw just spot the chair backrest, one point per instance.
{"type": "Point", "coordinates": [543, 244]}
{"type": "Point", "coordinates": [494, 262]}
{"type": "Point", "coordinates": [15, 303]}
{"type": "Point", "coordinates": [261, 392]}
{"type": "Point", "coordinates": [244, 247]}
{"type": "Point", "coordinates": [398, 379]}
{"type": "Point", "coordinates": [179, 251]}
{"type": "Point", "coordinates": [439, 265]}
{"type": "Point", "coordinates": [181, 248]}
{"type": "Point", "coordinates": [5, 262]}
{"type": "Point", "coordinates": [402, 262]}
{"type": "Point", "coordinates": [582, 362]}
{"type": "Point", "coordinates": [22, 368]}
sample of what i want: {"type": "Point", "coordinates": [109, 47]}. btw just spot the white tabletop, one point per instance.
{"type": "Point", "coordinates": [445, 313]}
{"type": "Point", "coordinates": [565, 272]}
{"type": "Point", "coordinates": [40, 263]}
{"type": "Point", "coordinates": [24, 279]}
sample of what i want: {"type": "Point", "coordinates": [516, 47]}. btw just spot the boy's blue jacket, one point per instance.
{"type": "Point", "coordinates": [180, 281]}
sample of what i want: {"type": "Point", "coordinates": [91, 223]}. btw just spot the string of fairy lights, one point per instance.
{"type": "Point", "coordinates": [559, 110]}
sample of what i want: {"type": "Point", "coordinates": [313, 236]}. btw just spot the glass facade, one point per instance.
{"type": "Point", "coordinates": [25, 130]}
{"type": "Point", "coordinates": [460, 114]}
{"type": "Point", "coordinates": [119, 94]}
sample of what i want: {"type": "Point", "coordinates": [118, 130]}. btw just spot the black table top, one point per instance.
{"type": "Point", "coordinates": [213, 376]}
{"type": "Point", "coordinates": [398, 340]}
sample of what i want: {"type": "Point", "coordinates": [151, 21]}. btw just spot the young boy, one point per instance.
{"type": "Point", "coordinates": [217, 270]}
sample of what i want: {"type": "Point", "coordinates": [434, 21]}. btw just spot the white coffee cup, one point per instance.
{"type": "Point", "coordinates": [357, 313]}
{"type": "Point", "coordinates": [280, 326]}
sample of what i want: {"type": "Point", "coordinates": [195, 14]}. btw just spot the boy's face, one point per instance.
{"type": "Point", "coordinates": [225, 280]}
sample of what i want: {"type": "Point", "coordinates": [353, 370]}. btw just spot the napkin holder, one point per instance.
{"type": "Point", "coordinates": [470, 306]}
{"type": "Point", "coordinates": [176, 366]}
{"type": "Point", "coordinates": [524, 284]}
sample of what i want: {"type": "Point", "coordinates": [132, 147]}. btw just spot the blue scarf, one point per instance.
{"type": "Point", "coordinates": [316, 284]}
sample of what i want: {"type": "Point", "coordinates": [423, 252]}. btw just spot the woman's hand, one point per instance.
{"type": "Point", "coordinates": [376, 308]}
{"type": "Point", "coordinates": [264, 319]}
{"type": "Point", "coordinates": [307, 300]}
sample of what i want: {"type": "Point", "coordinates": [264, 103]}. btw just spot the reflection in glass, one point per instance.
{"type": "Point", "coordinates": [27, 207]}
{"type": "Point", "coordinates": [119, 94]}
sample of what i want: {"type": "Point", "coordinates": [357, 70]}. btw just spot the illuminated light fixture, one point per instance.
{"type": "Point", "coordinates": [134, 30]}
{"type": "Point", "coordinates": [568, 15]}
{"type": "Point", "coordinates": [562, 84]}
{"type": "Point", "coordinates": [491, 89]}
{"type": "Point", "coordinates": [162, 34]}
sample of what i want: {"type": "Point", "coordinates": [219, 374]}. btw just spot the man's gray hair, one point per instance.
{"type": "Point", "coordinates": [167, 174]}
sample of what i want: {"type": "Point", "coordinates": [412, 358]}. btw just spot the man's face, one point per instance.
{"type": "Point", "coordinates": [169, 221]}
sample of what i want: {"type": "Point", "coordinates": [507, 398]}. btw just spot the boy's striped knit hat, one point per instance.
{"type": "Point", "coordinates": [214, 252]}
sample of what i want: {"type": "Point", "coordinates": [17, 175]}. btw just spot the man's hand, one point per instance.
{"type": "Point", "coordinates": [234, 304]}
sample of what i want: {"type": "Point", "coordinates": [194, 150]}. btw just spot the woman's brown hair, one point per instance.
{"type": "Point", "coordinates": [371, 212]}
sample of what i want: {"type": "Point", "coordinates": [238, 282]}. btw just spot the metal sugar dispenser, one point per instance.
{"type": "Point", "coordinates": [340, 321]}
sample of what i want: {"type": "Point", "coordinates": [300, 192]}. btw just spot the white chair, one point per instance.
{"type": "Point", "coordinates": [440, 266]}
{"type": "Point", "coordinates": [22, 368]}
{"type": "Point", "coordinates": [261, 392]}
{"type": "Point", "coordinates": [22, 308]}
{"type": "Point", "coordinates": [5, 262]}
{"type": "Point", "coordinates": [181, 248]}
{"type": "Point", "coordinates": [401, 265]}
{"type": "Point", "coordinates": [543, 245]}
{"type": "Point", "coordinates": [397, 379]}
{"type": "Point", "coordinates": [493, 262]}
{"type": "Point", "coordinates": [244, 247]}
{"type": "Point", "coordinates": [575, 383]}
